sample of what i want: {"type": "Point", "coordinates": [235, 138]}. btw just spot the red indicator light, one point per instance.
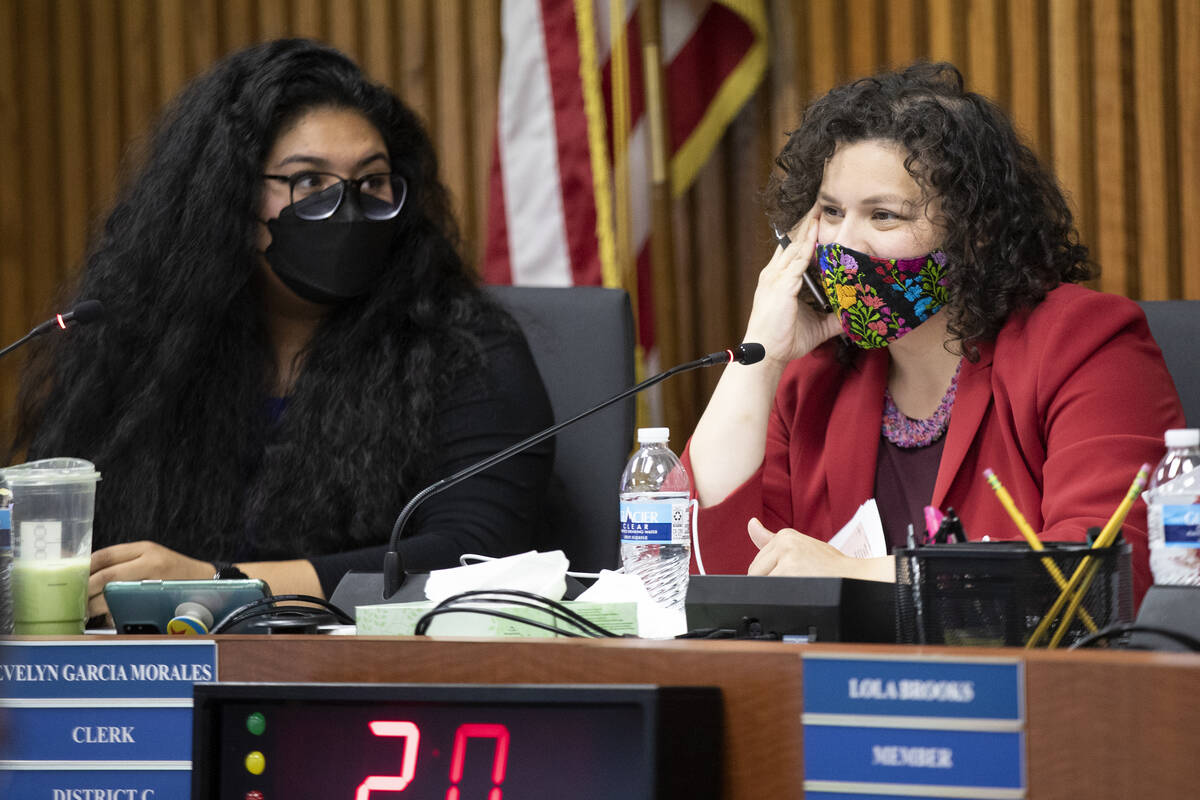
{"type": "Point", "coordinates": [61, 323]}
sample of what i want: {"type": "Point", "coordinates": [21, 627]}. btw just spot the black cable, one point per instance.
{"type": "Point", "coordinates": [521, 603]}
{"type": "Point", "coordinates": [426, 619]}
{"type": "Point", "coordinates": [553, 608]}
{"type": "Point", "coordinates": [1123, 628]}
{"type": "Point", "coordinates": [450, 605]}
{"type": "Point", "coordinates": [267, 605]}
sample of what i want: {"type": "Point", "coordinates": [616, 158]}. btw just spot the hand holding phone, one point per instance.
{"type": "Point", "coordinates": [812, 282]}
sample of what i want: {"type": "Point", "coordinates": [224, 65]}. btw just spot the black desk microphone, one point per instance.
{"type": "Point", "coordinates": [84, 312]}
{"type": "Point", "coordinates": [393, 569]}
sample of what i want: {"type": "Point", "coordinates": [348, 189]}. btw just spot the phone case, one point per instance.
{"type": "Point", "coordinates": [149, 606]}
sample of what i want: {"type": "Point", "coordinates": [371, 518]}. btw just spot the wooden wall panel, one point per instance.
{"type": "Point", "coordinates": [12, 235]}
{"type": "Point", "coordinates": [983, 48]}
{"type": "Point", "coordinates": [452, 105]}
{"type": "Point", "coordinates": [1104, 90]}
{"type": "Point", "coordinates": [1108, 91]}
{"type": "Point", "coordinates": [72, 165]}
{"type": "Point", "coordinates": [1153, 201]}
{"type": "Point", "coordinates": [39, 207]}
{"type": "Point", "coordinates": [1187, 27]}
{"type": "Point", "coordinates": [1025, 60]}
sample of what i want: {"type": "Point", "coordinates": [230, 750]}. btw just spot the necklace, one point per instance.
{"type": "Point", "coordinates": [906, 432]}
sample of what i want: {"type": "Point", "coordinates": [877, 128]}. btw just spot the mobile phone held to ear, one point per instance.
{"type": "Point", "coordinates": [177, 607]}
{"type": "Point", "coordinates": [810, 277]}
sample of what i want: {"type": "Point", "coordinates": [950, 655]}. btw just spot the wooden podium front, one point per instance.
{"type": "Point", "coordinates": [1098, 724]}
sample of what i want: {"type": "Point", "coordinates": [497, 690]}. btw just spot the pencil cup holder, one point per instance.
{"type": "Point", "coordinates": [996, 594]}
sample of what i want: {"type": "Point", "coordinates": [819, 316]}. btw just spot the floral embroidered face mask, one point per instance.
{"type": "Point", "coordinates": [878, 300]}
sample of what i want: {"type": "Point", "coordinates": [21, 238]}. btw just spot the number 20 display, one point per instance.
{"type": "Point", "coordinates": [411, 735]}
{"type": "Point", "coordinates": [454, 742]}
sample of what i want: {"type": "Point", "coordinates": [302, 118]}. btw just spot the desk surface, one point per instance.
{"type": "Point", "coordinates": [1099, 724]}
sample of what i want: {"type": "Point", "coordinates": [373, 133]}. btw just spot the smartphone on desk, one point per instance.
{"type": "Point", "coordinates": [150, 606]}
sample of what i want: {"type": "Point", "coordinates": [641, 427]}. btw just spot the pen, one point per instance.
{"type": "Point", "coordinates": [933, 521]}
{"type": "Point", "coordinates": [1034, 542]}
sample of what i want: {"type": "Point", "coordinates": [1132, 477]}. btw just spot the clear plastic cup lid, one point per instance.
{"type": "Point", "coordinates": [50, 471]}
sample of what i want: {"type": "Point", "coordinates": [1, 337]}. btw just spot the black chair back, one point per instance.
{"type": "Point", "coordinates": [1176, 327]}
{"type": "Point", "coordinates": [582, 340]}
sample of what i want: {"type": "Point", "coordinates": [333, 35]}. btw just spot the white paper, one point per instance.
{"type": "Point", "coordinates": [862, 536]}
{"type": "Point", "coordinates": [654, 621]}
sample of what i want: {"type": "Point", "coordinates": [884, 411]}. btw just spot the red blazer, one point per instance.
{"type": "Point", "coordinates": [1065, 405]}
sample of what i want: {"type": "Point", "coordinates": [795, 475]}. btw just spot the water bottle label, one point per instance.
{"type": "Point", "coordinates": [663, 521]}
{"type": "Point", "coordinates": [1181, 525]}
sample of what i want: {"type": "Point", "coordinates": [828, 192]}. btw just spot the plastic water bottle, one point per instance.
{"type": "Point", "coordinates": [1174, 511]}
{"type": "Point", "coordinates": [6, 606]}
{"type": "Point", "coordinates": [656, 519]}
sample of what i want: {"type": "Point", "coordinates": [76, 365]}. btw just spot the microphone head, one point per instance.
{"type": "Point", "coordinates": [749, 353]}
{"type": "Point", "coordinates": [87, 311]}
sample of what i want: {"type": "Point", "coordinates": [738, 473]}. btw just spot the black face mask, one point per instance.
{"type": "Point", "coordinates": [332, 260]}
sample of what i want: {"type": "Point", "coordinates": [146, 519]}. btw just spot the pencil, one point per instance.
{"type": "Point", "coordinates": [1109, 533]}
{"type": "Point", "coordinates": [1107, 536]}
{"type": "Point", "coordinates": [1034, 542]}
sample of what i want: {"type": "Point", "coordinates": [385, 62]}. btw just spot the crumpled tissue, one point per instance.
{"type": "Point", "coordinates": [543, 574]}
{"type": "Point", "coordinates": [654, 621]}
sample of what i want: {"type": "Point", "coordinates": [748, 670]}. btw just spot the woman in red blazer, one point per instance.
{"type": "Point", "coordinates": [957, 342]}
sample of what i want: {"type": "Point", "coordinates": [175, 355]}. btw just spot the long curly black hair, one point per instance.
{"type": "Point", "coordinates": [1010, 234]}
{"type": "Point", "coordinates": [168, 395]}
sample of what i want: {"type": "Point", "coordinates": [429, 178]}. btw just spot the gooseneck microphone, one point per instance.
{"type": "Point", "coordinates": [84, 312]}
{"type": "Point", "coordinates": [393, 569]}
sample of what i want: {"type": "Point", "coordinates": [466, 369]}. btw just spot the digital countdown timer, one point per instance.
{"type": "Point", "coordinates": [454, 742]}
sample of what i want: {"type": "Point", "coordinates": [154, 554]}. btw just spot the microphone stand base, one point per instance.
{"type": "Point", "coordinates": [366, 589]}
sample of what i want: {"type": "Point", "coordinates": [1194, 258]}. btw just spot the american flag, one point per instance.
{"type": "Point", "coordinates": [552, 182]}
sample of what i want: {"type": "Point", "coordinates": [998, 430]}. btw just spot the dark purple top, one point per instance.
{"type": "Point", "coordinates": [904, 478]}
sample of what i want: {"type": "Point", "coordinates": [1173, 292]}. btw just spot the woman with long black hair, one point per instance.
{"type": "Point", "coordinates": [292, 346]}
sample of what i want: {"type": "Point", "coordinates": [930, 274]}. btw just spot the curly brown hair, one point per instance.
{"type": "Point", "coordinates": [1010, 234]}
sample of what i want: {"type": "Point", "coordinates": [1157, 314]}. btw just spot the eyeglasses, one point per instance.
{"type": "Point", "coordinates": [317, 195]}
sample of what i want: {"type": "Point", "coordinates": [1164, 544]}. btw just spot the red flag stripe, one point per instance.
{"type": "Point", "coordinates": [574, 164]}
{"type": "Point", "coordinates": [701, 66]}
{"type": "Point", "coordinates": [497, 266]}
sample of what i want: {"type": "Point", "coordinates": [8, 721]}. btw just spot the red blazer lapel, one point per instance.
{"type": "Point", "coordinates": [972, 402]}
{"type": "Point", "coordinates": [852, 438]}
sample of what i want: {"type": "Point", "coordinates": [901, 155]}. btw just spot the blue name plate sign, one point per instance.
{"type": "Point", "coordinates": [108, 669]}
{"type": "Point", "coordinates": [97, 783]}
{"type": "Point", "coordinates": [887, 727]}
{"type": "Point", "coordinates": [913, 757]}
{"type": "Point", "coordinates": [966, 689]}
{"type": "Point", "coordinates": [98, 734]}
{"type": "Point", "coordinates": [811, 795]}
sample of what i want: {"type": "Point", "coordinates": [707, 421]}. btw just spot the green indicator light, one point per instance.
{"type": "Point", "coordinates": [256, 723]}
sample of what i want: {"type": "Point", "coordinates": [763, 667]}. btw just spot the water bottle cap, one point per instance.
{"type": "Point", "coordinates": [1183, 437]}
{"type": "Point", "coordinates": [653, 435]}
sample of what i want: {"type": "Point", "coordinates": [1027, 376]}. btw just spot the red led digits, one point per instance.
{"type": "Point", "coordinates": [412, 740]}
{"type": "Point", "coordinates": [408, 767]}
{"type": "Point", "coordinates": [499, 760]}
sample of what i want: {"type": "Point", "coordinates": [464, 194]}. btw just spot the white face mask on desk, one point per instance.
{"type": "Point", "coordinates": [543, 574]}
